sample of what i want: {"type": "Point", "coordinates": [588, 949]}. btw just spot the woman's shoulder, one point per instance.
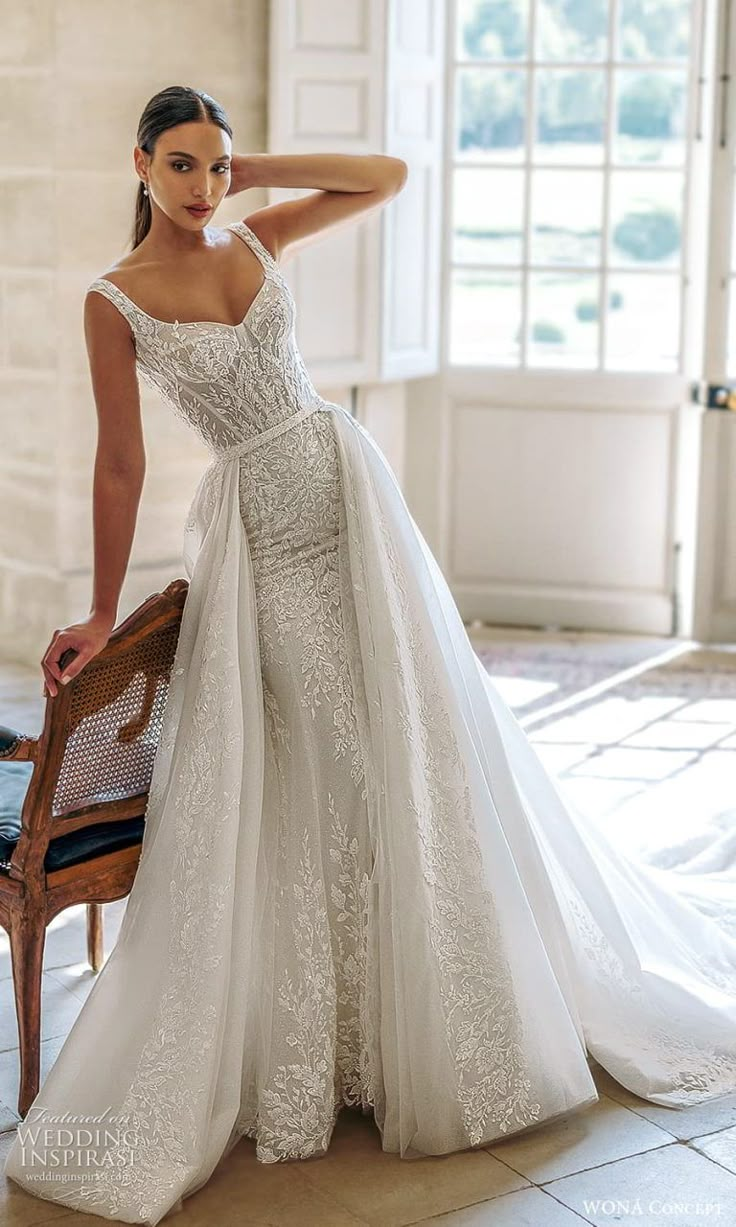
{"type": "Point", "coordinates": [127, 282]}
{"type": "Point", "coordinates": [118, 284]}
{"type": "Point", "coordinates": [126, 272]}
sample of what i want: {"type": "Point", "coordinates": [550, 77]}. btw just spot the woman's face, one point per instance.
{"type": "Point", "coordinates": [190, 166]}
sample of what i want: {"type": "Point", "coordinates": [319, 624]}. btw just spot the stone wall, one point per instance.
{"type": "Point", "coordinates": [76, 75]}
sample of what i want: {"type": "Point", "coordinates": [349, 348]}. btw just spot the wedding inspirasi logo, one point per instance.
{"type": "Point", "coordinates": [90, 1145]}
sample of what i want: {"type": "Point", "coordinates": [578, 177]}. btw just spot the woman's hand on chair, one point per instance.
{"type": "Point", "coordinates": [87, 638]}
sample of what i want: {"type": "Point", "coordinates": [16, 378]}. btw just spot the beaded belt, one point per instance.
{"type": "Point", "coordinates": [247, 445]}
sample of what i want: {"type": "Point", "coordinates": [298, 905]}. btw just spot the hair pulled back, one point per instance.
{"type": "Point", "coordinates": [177, 104]}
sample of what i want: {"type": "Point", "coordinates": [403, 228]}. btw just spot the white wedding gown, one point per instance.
{"type": "Point", "coordinates": [358, 884]}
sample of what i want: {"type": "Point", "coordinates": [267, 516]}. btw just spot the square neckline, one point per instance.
{"type": "Point", "coordinates": [209, 323]}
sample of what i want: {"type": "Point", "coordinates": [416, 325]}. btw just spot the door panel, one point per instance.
{"type": "Point", "coordinates": [576, 261]}
{"type": "Point", "coordinates": [715, 597]}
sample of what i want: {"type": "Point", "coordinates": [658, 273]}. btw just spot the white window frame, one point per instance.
{"type": "Point", "coordinates": [569, 386]}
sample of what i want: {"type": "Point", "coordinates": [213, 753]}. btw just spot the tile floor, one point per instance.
{"type": "Point", "coordinates": [622, 1159]}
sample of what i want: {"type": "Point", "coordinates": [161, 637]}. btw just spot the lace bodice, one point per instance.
{"type": "Point", "coordinates": [230, 382]}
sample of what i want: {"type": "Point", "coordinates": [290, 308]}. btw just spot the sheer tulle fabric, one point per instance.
{"type": "Point", "coordinates": [502, 934]}
{"type": "Point", "coordinates": [358, 885]}
{"type": "Point", "coordinates": [653, 951]}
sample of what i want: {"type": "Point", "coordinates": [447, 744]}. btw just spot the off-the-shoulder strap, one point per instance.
{"type": "Point", "coordinates": [270, 265]}
{"type": "Point", "coordinates": [116, 296]}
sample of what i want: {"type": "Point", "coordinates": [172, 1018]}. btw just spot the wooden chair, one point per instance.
{"type": "Point", "coordinates": [74, 800]}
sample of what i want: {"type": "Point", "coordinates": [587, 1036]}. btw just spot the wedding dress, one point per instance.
{"type": "Point", "coordinates": [358, 884]}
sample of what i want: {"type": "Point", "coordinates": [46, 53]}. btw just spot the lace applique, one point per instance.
{"type": "Point", "coordinates": [278, 729]}
{"type": "Point", "coordinates": [701, 1074]}
{"type": "Point", "coordinates": [321, 999]}
{"type": "Point", "coordinates": [484, 1029]}
{"type": "Point", "coordinates": [233, 391]}
{"type": "Point", "coordinates": [298, 1109]}
{"type": "Point", "coordinates": [355, 1034]}
{"type": "Point", "coordinates": [291, 505]}
{"type": "Point", "coordinates": [228, 382]}
{"type": "Point", "coordinates": [324, 1011]}
{"type": "Point", "coordinates": [161, 1106]}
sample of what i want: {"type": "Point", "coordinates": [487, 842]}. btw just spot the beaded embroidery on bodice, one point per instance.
{"type": "Point", "coordinates": [230, 382]}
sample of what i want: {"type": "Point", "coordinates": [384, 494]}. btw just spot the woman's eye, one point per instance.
{"type": "Point", "coordinates": [175, 164]}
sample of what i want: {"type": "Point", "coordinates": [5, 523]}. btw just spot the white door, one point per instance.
{"type": "Point", "coordinates": [579, 160]}
{"type": "Point", "coordinates": [715, 604]}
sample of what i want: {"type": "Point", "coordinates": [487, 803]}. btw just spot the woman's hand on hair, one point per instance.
{"type": "Point", "coordinates": [241, 174]}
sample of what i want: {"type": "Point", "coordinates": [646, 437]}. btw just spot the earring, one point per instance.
{"type": "Point", "coordinates": [145, 190]}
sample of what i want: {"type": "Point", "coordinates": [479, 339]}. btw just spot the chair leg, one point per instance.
{"type": "Point", "coordinates": [95, 944]}
{"type": "Point", "coordinates": [27, 940]}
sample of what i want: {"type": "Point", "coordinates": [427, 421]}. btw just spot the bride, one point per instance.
{"type": "Point", "coordinates": [358, 886]}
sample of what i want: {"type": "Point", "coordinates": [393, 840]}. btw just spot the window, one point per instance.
{"type": "Point", "coordinates": [569, 183]}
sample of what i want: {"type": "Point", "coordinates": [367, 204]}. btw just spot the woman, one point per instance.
{"type": "Point", "coordinates": [357, 886]}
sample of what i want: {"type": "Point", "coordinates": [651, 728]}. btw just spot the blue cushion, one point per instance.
{"type": "Point", "coordinates": [67, 849]}
{"type": "Point", "coordinates": [14, 780]}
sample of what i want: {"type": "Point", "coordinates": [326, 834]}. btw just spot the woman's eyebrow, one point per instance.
{"type": "Point", "coordinates": [179, 153]}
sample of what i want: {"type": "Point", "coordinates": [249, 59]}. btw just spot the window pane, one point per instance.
{"type": "Point", "coordinates": [485, 318]}
{"type": "Point", "coordinates": [571, 108]}
{"type": "Point", "coordinates": [643, 322]}
{"type": "Point", "coordinates": [488, 212]}
{"type": "Point", "coordinates": [646, 218]}
{"type": "Point", "coordinates": [551, 309]}
{"type": "Point", "coordinates": [569, 31]}
{"type": "Point", "coordinates": [563, 320]}
{"type": "Point", "coordinates": [654, 29]}
{"type": "Point", "coordinates": [492, 29]}
{"type": "Point", "coordinates": [650, 117]}
{"type": "Point", "coordinates": [491, 109]}
{"type": "Point", "coordinates": [566, 216]}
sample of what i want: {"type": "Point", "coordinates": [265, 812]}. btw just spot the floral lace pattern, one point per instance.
{"type": "Point", "coordinates": [328, 910]}
{"type": "Point", "coordinates": [156, 1149]}
{"type": "Point", "coordinates": [228, 382]}
{"type": "Point", "coordinates": [291, 503]}
{"type": "Point", "coordinates": [703, 1071]}
{"type": "Point", "coordinates": [484, 1028]}
{"type": "Point", "coordinates": [319, 1038]}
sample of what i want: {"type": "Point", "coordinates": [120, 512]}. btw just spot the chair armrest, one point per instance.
{"type": "Point", "coordinates": [16, 746]}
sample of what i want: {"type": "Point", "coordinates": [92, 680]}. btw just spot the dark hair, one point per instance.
{"type": "Point", "coordinates": [177, 104]}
